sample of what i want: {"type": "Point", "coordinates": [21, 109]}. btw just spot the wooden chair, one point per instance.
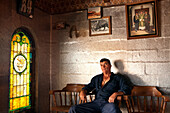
{"type": "Point", "coordinates": [145, 99]}
{"type": "Point", "coordinates": [65, 98]}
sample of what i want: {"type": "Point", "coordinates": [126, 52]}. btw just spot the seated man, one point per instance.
{"type": "Point", "coordinates": [107, 86]}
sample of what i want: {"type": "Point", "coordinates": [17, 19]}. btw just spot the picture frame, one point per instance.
{"type": "Point", "coordinates": [141, 20]}
{"type": "Point", "coordinates": [100, 26]}
{"type": "Point", "coordinates": [94, 12]}
{"type": "Point", "coordinates": [25, 7]}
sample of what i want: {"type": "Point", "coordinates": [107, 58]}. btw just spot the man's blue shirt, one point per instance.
{"type": "Point", "coordinates": [116, 83]}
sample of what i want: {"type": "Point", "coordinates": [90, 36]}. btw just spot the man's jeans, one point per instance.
{"type": "Point", "coordinates": [96, 106]}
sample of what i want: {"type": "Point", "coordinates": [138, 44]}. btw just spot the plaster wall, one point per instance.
{"type": "Point", "coordinates": [39, 27]}
{"type": "Point", "coordinates": [145, 61]}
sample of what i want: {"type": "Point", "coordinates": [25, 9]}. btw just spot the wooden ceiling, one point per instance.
{"type": "Point", "coordinates": [65, 6]}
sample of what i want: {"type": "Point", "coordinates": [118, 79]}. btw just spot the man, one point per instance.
{"type": "Point", "coordinates": [107, 87]}
{"type": "Point", "coordinates": [136, 21]}
{"type": "Point", "coordinates": [141, 19]}
{"type": "Point", "coordinates": [147, 21]}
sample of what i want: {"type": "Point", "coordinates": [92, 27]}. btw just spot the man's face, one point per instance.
{"type": "Point", "coordinates": [105, 67]}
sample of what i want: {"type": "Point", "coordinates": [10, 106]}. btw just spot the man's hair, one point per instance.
{"type": "Point", "coordinates": [105, 59]}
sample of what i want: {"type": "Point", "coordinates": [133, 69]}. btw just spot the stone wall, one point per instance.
{"type": "Point", "coordinates": [39, 27]}
{"type": "Point", "coordinates": [145, 61]}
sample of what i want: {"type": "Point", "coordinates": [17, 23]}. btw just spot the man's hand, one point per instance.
{"type": "Point", "coordinates": [83, 95]}
{"type": "Point", "coordinates": [113, 96]}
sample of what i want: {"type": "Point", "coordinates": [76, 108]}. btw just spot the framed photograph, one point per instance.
{"type": "Point", "coordinates": [94, 12]}
{"type": "Point", "coordinates": [141, 20]}
{"type": "Point", "coordinates": [25, 7]}
{"type": "Point", "coordinates": [100, 26]}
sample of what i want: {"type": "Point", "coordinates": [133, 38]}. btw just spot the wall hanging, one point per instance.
{"type": "Point", "coordinates": [25, 7]}
{"type": "Point", "coordinates": [141, 19]}
{"type": "Point", "coordinates": [100, 26]}
{"type": "Point", "coordinates": [94, 12]}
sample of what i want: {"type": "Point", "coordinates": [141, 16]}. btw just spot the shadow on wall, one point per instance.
{"type": "Point", "coordinates": [133, 79]}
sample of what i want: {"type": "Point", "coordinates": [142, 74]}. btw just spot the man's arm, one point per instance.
{"type": "Point", "coordinates": [114, 96]}
{"type": "Point", "coordinates": [125, 88]}
{"type": "Point", "coordinates": [87, 89]}
{"type": "Point", "coordinates": [83, 95]}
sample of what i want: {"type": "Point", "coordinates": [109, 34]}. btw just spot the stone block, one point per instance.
{"type": "Point", "coordinates": [166, 10]}
{"type": "Point", "coordinates": [164, 90]}
{"type": "Point", "coordinates": [163, 68]}
{"type": "Point", "coordinates": [150, 80]}
{"type": "Point", "coordinates": [151, 68]}
{"type": "Point", "coordinates": [107, 45]}
{"type": "Point", "coordinates": [166, 18]}
{"type": "Point", "coordinates": [163, 56]}
{"type": "Point", "coordinates": [82, 25]}
{"type": "Point", "coordinates": [80, 69]}
{"type": "Point", "coordinates": [54, 80]}
{"type": "Point", "coordinates": [163, 80]}
{"type": "Point", "coordinates": [145, 56]}
{"type": "Point", "coordinates": [76, 79]}
{"type": "Point", "coordinates": [157, 43]}
{"type": "Point", "coordinates": [135, 68]}
{"type": "Point", "coordinates": [72, 46]}
{"type": "Point", "coordinates": [143, 80]}
{"type": "Point", "coordinates": [160, 12]}
{"type": "Point", "coordinates": [134, 78]}
{"type": "Point", "coordinates": [115, 12]}
{"type": "Point", "coordinates": [75, 16]}
{"type": "Point", "coordinates": [166, 31]}
{"type": "Point", "coordinates": [4, 87]}
{"type": "Point", "coordinates": [129, 56]}
{"type": "Point", "coordinates": [150, 56]}
{"type": "Point", "coordinates": [5, 61]}
{"type": "Point", "coordinates": [135, 45]}
{"type": "Point", "coordinates": [118, 22]}
{"type": "Point", "coordinates": [76, 57]}
{"type": "Point", "coordinates": [119, 33]}
{"type": "Point", "coordinates": [6, 35]}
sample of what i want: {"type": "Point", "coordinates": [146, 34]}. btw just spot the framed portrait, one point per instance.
{"type": "Point", "coordinates": [100, 26]}
{"type": "Point", "coordinates": [25, 7]}
{"type": "Point", "coordinates": [94, 12]}
{"type": "Point", "coordinates": [141, 20]}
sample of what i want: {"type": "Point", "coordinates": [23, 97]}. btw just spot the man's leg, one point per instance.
{"type": "Point", "coordinates": [89, 107]}
{"type": "Point", "coordinates": [111, 108]}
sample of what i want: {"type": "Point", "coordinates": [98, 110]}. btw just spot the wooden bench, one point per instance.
{"type": "Point", "coordinates": [68, 96]}
{"type": "Point", "coordinates": [146, 99]}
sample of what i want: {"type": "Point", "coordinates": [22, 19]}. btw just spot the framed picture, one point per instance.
{"type": "Point", "coordinates": [25, 7]}
{"type": "Point", "coordinates": [94, 12]}
{"type": "Point", "coordinates": [100, 26]}
{"type": "Point", "coordinates": [142, 20]}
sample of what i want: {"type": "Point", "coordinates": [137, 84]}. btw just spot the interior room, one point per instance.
{"type": "Point", "coordinates": [64, 46]}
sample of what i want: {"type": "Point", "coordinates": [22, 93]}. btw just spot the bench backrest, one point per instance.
{"type": "Point", "coordinates": [145, 99]}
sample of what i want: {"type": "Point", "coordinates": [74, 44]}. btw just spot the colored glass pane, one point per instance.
{"type": "Point", "coordinates": [19, 96]}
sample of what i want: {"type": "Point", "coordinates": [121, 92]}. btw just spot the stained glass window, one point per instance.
{"type": "Point", "coordinates": [20, 72]}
